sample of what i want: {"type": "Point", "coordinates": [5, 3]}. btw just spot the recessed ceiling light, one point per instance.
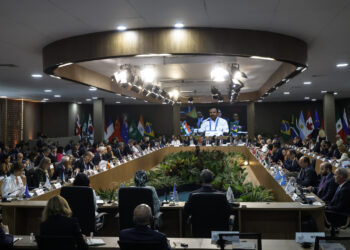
{"type": "Point", "coordinates": [65, 64]}
{"type": "Point", "coordinates": [117, 102]}
{"type": "Point", "coordinates": [37, 75]}
{"type": "Point", "coordinates": [299, 68]}
{"type": "Point", "coordinates": [307, 98]}
{"type": "Point", "coordinates": [304, 69]}
{"type": "Point", "coordinates": [57, 77]}
{"type": "Point", "coordinates": [263, 58]}
{"type": "Point", "coordinates": [342, 65]}
{"type": "Point", "coordinates": [46, 99]}
{"type": "Point", "coordinates": [48, 90]}
{"type": "Point", "coordinates": [3, 96]}
{"type": "Point", "coordinates": [314, 100]}
{"type": "Point", "coordinates": [118, 94]}
{"type": "Point", "coordinates": [307, 83]}
{"type": "Point", "coordinates": [134, 98]}
{"type": "Point", "coordinates": [94, 98]}
{"type": "Point", "coordinates": [121, 27]}
{"type": "Point", "coordinates": [88, 100]}
{"type": "Point", "coordinates": [259, 100]}
{"type": "Point", "coordinates": [323, 91]}
{"type": "Point", "coordinates": [286, 93]}
{"type": "Point", "coordinates": [145, 101]}
{"type": "Point", "coordinates": [92, 88]}
{"type": "Point", "coordinates": [127, 97]}
{"type": "Point", "coordinates": [57, 96]}
{"type": "Point", "coordinates": [179, 25]}
{"type": "Point", "coordinates": [335, 93]}
{"type": "Point", "coordinates": [79, 102]}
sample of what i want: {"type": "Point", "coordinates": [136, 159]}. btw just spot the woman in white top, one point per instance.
{"type": "Point", "coordinates": [15, 184]}
{"type": "Point", "coordinates": [175, 142]}
{"type": "Point", "coordinates": [344, 154]}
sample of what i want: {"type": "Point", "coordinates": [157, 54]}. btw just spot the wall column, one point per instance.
{"type": "Point", "coordinates": [251, 120]}
{"type": "Point", "coordinates": [72, 117]}
{"type": "Point", "coordinates": [99, 120]}
{"type": "Point", "coordinates": [176, 119]}
{"type": "Point", "coordinates": [329, 116]}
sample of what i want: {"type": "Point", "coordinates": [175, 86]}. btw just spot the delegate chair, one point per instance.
{"type": "Point", "coordinates": [139, 245]}
{"type": "Point", "coordinates": [57, 243]}
{"type": "Point", "coordinates": [209, 212]}
{"type": "Point", "coordinates": [345, 241]}
{"type": "Point", "coordinates": [82, 204]}
{"type": "Point", "coordinates": [337, 221]}
{"type": "Point", "coordinates": [128, 199]}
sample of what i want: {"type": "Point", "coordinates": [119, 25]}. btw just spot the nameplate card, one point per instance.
{"type": "Point", "coordinates": [295, 197]}
{"type": "Point", "coordinates": [230, 236]}
{"type": "Point", "coordinates": [38, 192]}
{"type": "Point", "coordinates": [51, 166]}
{"type": "Point", "coordinates": [301, 237]}
{"type": "Point", "coordinates": [319, 157]}
{"type": "Point", "coordinates": [70, 180]}
{"type": "Point", "coordinates": [57, 185]}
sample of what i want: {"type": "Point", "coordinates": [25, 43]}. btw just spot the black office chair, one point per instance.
{"type": "Point", "coordinates": [337, 221]}
{"type": "Point", "coordinates": [147, 245]}
{"type": "Point", "coordinates": [313, 163]}
{"type": "Point", "coordinates": [58, 243]}
{"type": "Point", "coordinates": [345, 241]}
{"type": "Point", "coordinates": [128, 199]}
{"type": "Point", "coordinates": [257, 236]}
{"type": "Point", "coordinates": [81, 202]}
{"type": "Point", "coordinates": [209, 212]}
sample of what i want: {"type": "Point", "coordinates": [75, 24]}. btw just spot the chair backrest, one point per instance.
{"type": "Point", "coordinates": [313, 163]}
{"type": "Point", "coordinates": [345, 241]}
{"type": "Point", "coordinates": [129, 198]}
{"type": "Point", "coordinates": [209, 213]}
{"type": "Point", "coordinates": [81, 202]}
{"type": "Point", "coordinates": [140, 245]}
{"type": "Point", "coordinates": [56, 242]}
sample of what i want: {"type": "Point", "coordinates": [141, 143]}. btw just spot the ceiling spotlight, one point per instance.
{"type": "Point", "coordinates": [323, 91]}
{"type": "Point", "coordinates": [307, 83]}
{"type": "Point", "coordinates": [53, 76]}
{"type": "Point", "coordinates": [286, 93]}
{"type": "Point", "coordinates": [57, 96]}
{"type": "Point", "coordinates": [48, 90]}
{"type": "Point", "coordinates": [46, 99]}
{"type": "Point", "coordinates": [37, 75]}
{"type": "Point", "coordinates": [342, 65]}
{"type": "Point", "coordinates": [94, 98]}
{"type": "Point", "coordinates": [88, 100]}
{"type": "Point", "coordinates": [307, 98]}
{"type": "Point", "coordinates": [148, 74]}
{"type": "Point", "coordinates": [3, 96]}
{"type": "Point", "coordinates": [121, 27]}
{"type": "Point", "coordinates": [237, 74]}
{"type": "Point", "coordinates": [335, 93]}
{"type": "Point", "coordinates": [79, 102]}
{"type": "Point", "coordinates": [219, 74]}
{"type": "Point", "coordinates": [92, 88]}
{"type": "Point", "coordinates": [179, 25]}
{"type": "Point", "coordinates": [121, 76]}
{"type": "Point", "coordinates": [117, 102]}
{"type": "Point", "coordinates": [174, 94]}
{"type": "Point", "coordinates": [153, 55]}
{"type": "Point", "coordinates": [299, 68]}
{"type": "Point", "coordinates": [314, 100]}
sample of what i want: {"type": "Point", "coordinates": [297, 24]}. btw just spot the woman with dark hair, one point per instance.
{"type": "Point", "coordinates": [82, 180]}
{"type": "Point", "coordinates": [59, 155]}
{"type": "Point", "coordinates": [57, 221]}
{"type": "Point", "coordinates": [5, 168]}
{"type": "Point", "coordinates": [42, 172]}
{"type": "Point", "coordinates": [140, 180]}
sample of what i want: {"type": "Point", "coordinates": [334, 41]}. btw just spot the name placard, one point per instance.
{"type": "Point", "coordinates": [57, 185]}
{"type": "Point", "coordinates": [38, 192]}
{"type": "Point", "coordinates": [310, 237]}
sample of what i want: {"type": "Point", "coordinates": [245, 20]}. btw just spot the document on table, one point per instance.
{"type": "Point", "coordinates": [16, 239]}
{"type": "Point", "coordinates": [95, 242]}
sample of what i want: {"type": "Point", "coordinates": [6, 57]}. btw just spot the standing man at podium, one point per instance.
{"type": "Point", "coordinates": [214, 125]}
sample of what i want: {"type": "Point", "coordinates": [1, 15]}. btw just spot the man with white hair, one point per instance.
{"type": "Point", "coordinates": [341, 200]}
{"type": "Point", "coordinates": [101, 151]}
{"type": "Point", "coordinates": [61, 168]}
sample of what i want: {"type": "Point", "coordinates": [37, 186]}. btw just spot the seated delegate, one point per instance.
{"type": "Point", "coordinates": [57, 221]}
{"type": "Point", "coordinates": [15, 184]}
{"type": "Point", "coordinates": [84, 163]}
{"type": "Point", "coordinates": [307, 175]}
{"type": "Point", "coordinates": [340, 201]}
{"type": "Point", "coordinates": [42, 172]}
{"type": "Point", "coordinates": [142, 232]}
{"type": "Point", "coordinates": [6, 239]}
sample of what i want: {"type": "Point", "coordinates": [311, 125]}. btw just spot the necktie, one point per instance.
{"type": "Point", "coordinates": [337, 191]}
{"type": "Point", "coordinates": [321, 186]}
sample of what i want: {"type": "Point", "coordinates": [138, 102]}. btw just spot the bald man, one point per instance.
{"type": "Point", "coordinates": [142, 232]}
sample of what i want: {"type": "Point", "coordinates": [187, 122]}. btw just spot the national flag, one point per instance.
{"type": "Point", "coordinates": [133, 132]}
{"type": "Point", "coordinates": [26, 193]}
{"type": "Point", "coordinates": [141, 126]}
{"type": "Point", "coordinates": [303, 131]}
{"type": "Point", "coordinates": [84, 130]}
{"type": "Point", "coordinates": [293, 128]}
{"type": "Point", "coordinates": [149, 130]}
{"type": "Point", "coordinates": [345, 123]}
{"type": "Point", "coordinates": [278, 176]}
{"type": "Point", "coordinates": [283, 181]}
{"type": "Point", "coordinates": [116, 133]}
{"type": "Point", "coordinates": [105, 132]}
{"type": "Point", "coordinates": [192, 113]}
{"type": "Point", "coordinates": [63, 177]}
{"type": "Point", "coordinates": [78, 127]}
{"type": "Point", "coordinates": [340, 129]}
{"type": "Point", "coordinates": [124, 131]}
{"type": "Point", "coordinates": [317, 123]}
{"type": "Point", "coordinates": [109, 130]}
{"type": "Point", "coordinates": [285, 130]}
{"type": "Point", "coordinates": [309, 124]}
{"type": "Point", "coordinates": [90, 127]}
{"type": "Point", "coordinates": [186, 128]}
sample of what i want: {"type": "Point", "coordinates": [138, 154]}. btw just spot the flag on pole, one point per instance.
{"type": "Point", "coordinates": [141, 126]}
{"type": "Point", "coordinates": [78, 127]}
{"type": "Point", "coordinates": [90, 127]}
{"type": "Point", "coordinates": [278, 176]}
{"type": "Point", "coordinates": [340, 129]}
{"type": "Point", "coordinates": [134, 132]}
{"type": "Point", "coordinates": [26, 193]}
{"type": "Point", "coordinates": [192, 113]}
{"type": "Point", "coordinates": [285, 130]}
{"type": "Point", "coordinates": [317, 122]}
{"type": "Point", "coordinates": [309, 124]}
{"type": "Point", "coordinates": [124, 131]}
{"type": "Point", "coordinates": [116, 132]}
{"type": "Point", "coordinates": [149, 130]}
{"type": "Point", "coordinates": [303, 132]}
{"type": "Point", "coordinates": [283, 181]}
{"type": "Point", "coordinates": [187, 130]}
{"type": "Point", "coordinates": [109, 130]}
{"type": "Point", "coordinates": [293, 128]}
{"type": "Point", "coordinates": [345, 123]}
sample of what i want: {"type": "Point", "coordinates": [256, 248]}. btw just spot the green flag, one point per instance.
{"type": "Point", "coordinates": [134, 132]}
{"type": "Point", "coordinates": [192, 113]}
{"type": "Point", "coordinates": [285, 130]}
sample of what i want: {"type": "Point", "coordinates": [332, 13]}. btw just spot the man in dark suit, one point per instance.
{"type": "Point", "coordinates": [142, 233]}
{"type": "Point", "coordinates": [291, 164]}
{"type": "Point", "coordinates": [6, 239]}
{"type": "Point", "coordinates": [325, 191]}
{"type": "Point", "coordinates": [341, 201]}
{"type": "Point", "coordinates": [307, 175]}
{"type": "Point", "coordinates": [117, 152]}
{"type": "Point", "coordinates": [127, 149]}
{"type": "Point", "coordinates": [84, 163]}
{"type": "Point", "coordinates": [277, 153]}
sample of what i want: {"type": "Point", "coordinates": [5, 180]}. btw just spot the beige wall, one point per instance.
{"type": "Point", "coordinates": [32, 120]}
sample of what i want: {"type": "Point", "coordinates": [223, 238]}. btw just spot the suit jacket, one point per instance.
{"type": "Point", "coordinates": [97, 158]}
{"type": "Point", "coordinates": [307, 177]}
{"type": "Point", "coordinates": [143, 234]}
{"type": "Point", "coordinates": [341, 201]}
{"type": "Point", "coordinates": [59, 225]}
{"type": "Point", "coordinates": [325, 191]}
{"type": "Point", "coordinates": [117, 153]}
{"type": "Point", "coordinates": [277, 156]}
{"type": "Point", "coordinates": [6, 240]}
{"type": "Point", "coordinates": [291, 165]}
{"type": "Point", "coordinates": [81, 165]}
{"type": "Point", "coordinates": [127, 150]}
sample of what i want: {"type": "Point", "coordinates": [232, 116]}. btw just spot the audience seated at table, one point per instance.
{"type": "Point", "coordinates": [142, 232]}
{"type": "Point", "coordinates": [64, 167]}
{"type": "Point", "coordinates": [291, 162]}
{"type": "Point", "coordinates": [327, 187]}
{"type": "Point", "coordinates": [6, 239]}
{"type": "Point", "coordinates": [277, 153]}
{"type": "Point", "coordinates": [15, 184]}
{"type": "Point", "coordinates": [140, 180]}
{"type": "Point", "coordinates": [84, 163]}
{"type": "Point", "coordinates": [42, 172]}
{"type": "Point", "coordinates": [307, 175]}
{"type": "Point", "coordinates": [341, 201]}
{"type": "Point", "coordinates": [57, 221]}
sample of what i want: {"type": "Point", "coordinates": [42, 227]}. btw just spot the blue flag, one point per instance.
{"type": "Point", "coordinates": [125, 135]}
{"type": "Point", "coordinates": [317, 123]}
{"type": "Point", "coordinates": [121, 185]}
{"type": "Point", "coordinates": [283, 182]}
{"type": "Point", "coordinates": [278, 176]}
{"type": "Point", "coordinates": [174, 192]}
{"type": "Point", "coordinates": [27, 192]}
{"type": "Point", "coordinates": [63, 177]}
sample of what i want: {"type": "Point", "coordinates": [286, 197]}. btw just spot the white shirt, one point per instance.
{"type": "Point", "coordinates": [10, 188]}
{"type": "Point", "coordinates": [175, 143]}
{"type": "Point", "coordinates": [219, 125]}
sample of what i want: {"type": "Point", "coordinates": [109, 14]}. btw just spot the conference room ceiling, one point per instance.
{"type": "Point", "coordinates": [27, 26]}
